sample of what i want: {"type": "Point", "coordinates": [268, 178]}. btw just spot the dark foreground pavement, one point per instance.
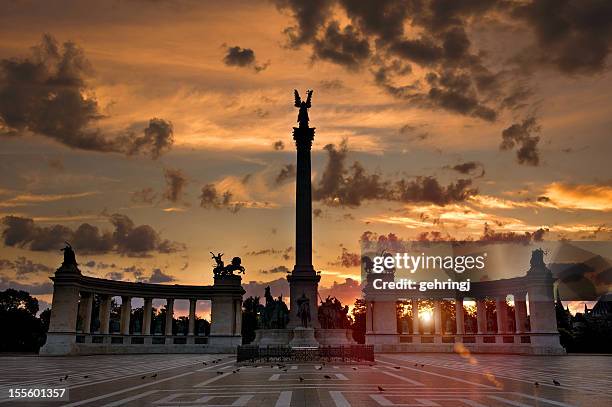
{"type": "Point", "coordinates": [394, 380]}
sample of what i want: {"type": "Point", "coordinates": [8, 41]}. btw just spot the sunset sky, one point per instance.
{"type": "Point", "coordinates": [149, 133]}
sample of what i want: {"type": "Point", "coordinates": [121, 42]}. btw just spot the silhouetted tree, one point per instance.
{"type": "Point", "coordinates": [359, 320]}
{"type": "Point", "coordinates": [21, 330]}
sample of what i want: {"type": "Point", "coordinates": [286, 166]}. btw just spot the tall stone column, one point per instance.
{"type": "Point", "coordinates": [85, 308]}
{"type": "Point", "coordinates": [437, 317]}
{"type": "Point", "coordinates": [169, 315]}
{"type": "Point", "coordinates": [126, 311]}
{"type": "Point", "coordinates": [415, 316]}
{"type": "Point", "coordinates": [303, 280]}
{"type": "Point", "coordinates": [481, 316]}
{"type": "Point", "coordinates": [501, 312]}
{"type": "Point", "coordinates": [146, 316]}
{"type": "Point", "coordinates": [105, 310]}
{"type": "Point", "coordinates": [459, 316]}
{"type": "Point", "coordinates": [192, 313]}
{"type": "Point", "coordinates": [520, 312]}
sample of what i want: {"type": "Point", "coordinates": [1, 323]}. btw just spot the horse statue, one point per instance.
{"type": "Point", "coordinates": [275, 314]}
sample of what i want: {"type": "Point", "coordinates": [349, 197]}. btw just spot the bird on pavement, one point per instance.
{"type": "Point", "coordinates": [143, 377]}
{"type": "Point", "coordinates": [396, 367]}
{"type": "Point", "coordinates": [354, 368]}
{"type": "Point", "coordinates": [219, 372]}
{"type": "Point", "coordinates": [66, 377]}
{"type": "Point", "coordinates": [301, 379]}
{"type": "Point", "coordinates": [154, 375]}
{"type": "Point", "coordinates": [318, 367]}
{"type": "Point", "coordinates": [204, 363]}
{"type": "Point", "coordinates": [536, 384]}
{"type": "Point", "coordinates": [85, 377]}
{"type": "Point", "coordinates": [556, 383]}
{"type": "Point", "coordinates": [380, 389]}
{"type": "Point", "coordinates": [327, 377]}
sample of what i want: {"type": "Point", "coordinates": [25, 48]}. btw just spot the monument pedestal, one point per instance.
{"type": "Point", "coordinates": [303, 338]}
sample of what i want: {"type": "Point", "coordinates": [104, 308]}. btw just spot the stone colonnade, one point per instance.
{"type": "Point", "coordinates": [73, 300]}
{"type": "Point", "coordinates": [535, 333]}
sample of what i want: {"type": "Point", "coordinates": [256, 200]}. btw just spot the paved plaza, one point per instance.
{"type": "Point", "coordinates": [394, 380]}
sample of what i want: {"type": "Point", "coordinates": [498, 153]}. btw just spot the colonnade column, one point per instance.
{"type": "Point", "coordinates": [369, 316]}
{"type": "Point", "coordinates": [192, 312]}
{"type": "Point", "coordinates": [481, 316]}
{"type": "Point", "coordinates": [437, 317]}
{"type": "Point", "coordinates": [85, 307]}
{"type": "Point", "coordinates": [520, 312]}
{"type": "Point", "coordinates": [126, 310]}
{"type": "Point", "coordinates": [146, 316]}
{"type": "Point", "coordinates": [238, 317]}
{"type": "Point", "coordinates": [415, 316]}
{"type": "Point", "coordinates": [459, 316]}
{"type": "Point", "coordinates": [501, 311]}
{"type": "Point", "coordinates": [169, 314]}
{"type": "Point", "coordinates": [105, 309]}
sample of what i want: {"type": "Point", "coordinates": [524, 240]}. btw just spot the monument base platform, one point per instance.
{"type": "Point", "coordinates": [285, 337]}
{"type": "Point", "coordinates": [303, 338]}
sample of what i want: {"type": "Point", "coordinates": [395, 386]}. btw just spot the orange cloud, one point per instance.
{"type": "Point", "coordinates": [585, 196]}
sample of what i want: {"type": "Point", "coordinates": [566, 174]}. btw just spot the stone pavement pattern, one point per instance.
{"type": "Point", "coordinates": [405, 379]}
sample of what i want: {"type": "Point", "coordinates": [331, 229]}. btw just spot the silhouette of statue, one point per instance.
{"type": "Point", "coordinates": [303, 106]}
{"type": "Point", "coordinates": [69, 256]}
{"type": "Point", "coordinates": [218, 270]}
{"type": "Point", "coordinates": [275, 314]}
{"type": "Point", "coordinates": [234, 266]}
{"type": "Point", "coordinates": [221, 269]}
{"type": "Point", "coordinates": [303, 313]}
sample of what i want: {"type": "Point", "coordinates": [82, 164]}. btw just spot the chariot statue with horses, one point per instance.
{"type": "Point", "coordinates": [221, 269]}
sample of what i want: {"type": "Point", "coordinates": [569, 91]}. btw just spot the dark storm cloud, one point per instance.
{"type": "Point", "coordinates": [351, 186]}
{"type": "Point", "coordinates": [287, 173]}
{"type": "Point", "coordinates": [210, 198]}
{"type": "Point", "coordinates": [469, 168]}
{"type": "Point", "coordinates": [24, 267]}
{"type": "Point", "coordinates": [276, 270]}
{"type": "Point", "coordinates": [520, 135]}
{"type": "Point", "coordinates": [490, 235]}
{"type": "Point", "coordinates": [33, 288]}
{"type": "Point", "coordinates": [331, 84]}
{"type": "Point", "coordinates": [574, 35]}
{"type": "Point", "coordinates": [278, 145]}
{"type": "Point", "coordinates": [283, 253]}
{"type": "Point", "coordinates": [175, 184]}
{"type": "Point", "coordinates": [243, 58]}
{"type": "Point", "coordinates": [127, 238]}
{"type": "Point", "coordinates": [342, 46]}
{"type": "Point", "coordinates": [144, 196]}
{"type": "Point", "coordinates": [158, 276]}
{"type": "Point", "coordinates": [428, 189]}
{"type": "Point", "coordinates": [309, 16]}
{"type": "Point", "coordinates": [347, 259]}
{"type": "Point", "coordinates": [47, 94]}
